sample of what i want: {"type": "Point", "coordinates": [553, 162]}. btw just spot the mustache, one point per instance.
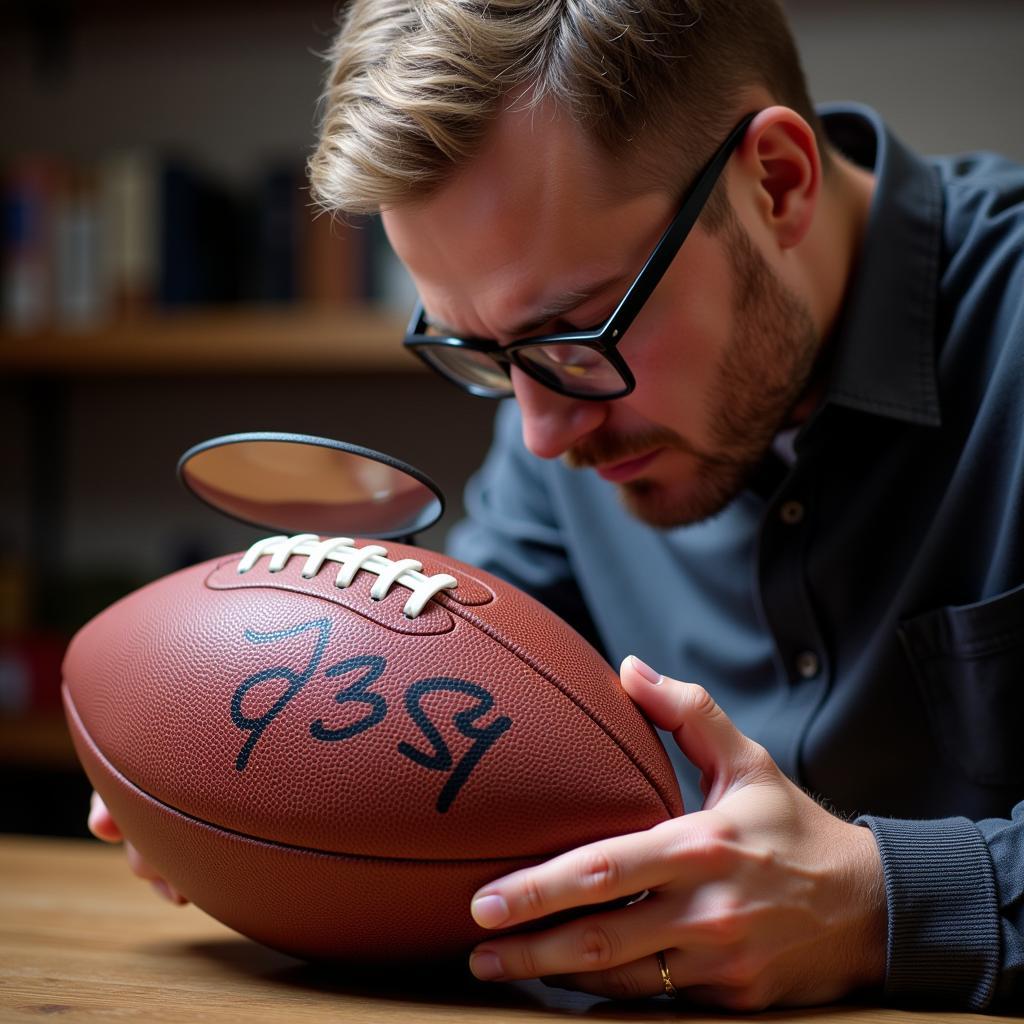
{"type": "Point", "coordinates": [604, 449]}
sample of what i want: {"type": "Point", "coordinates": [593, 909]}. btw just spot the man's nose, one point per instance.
{"type": "Point", "coordinates": [553, 423]}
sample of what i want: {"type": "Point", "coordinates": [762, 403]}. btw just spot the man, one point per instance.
{"type": "Point", "coordinates": [806, 387]}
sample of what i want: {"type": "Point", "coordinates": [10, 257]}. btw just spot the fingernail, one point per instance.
{"type": "Point", "coordinates": [486, 966]}
{"type": "Point", "coordinates": [646, 671]}
{"type": "Point", "coordinates": [489, 911]}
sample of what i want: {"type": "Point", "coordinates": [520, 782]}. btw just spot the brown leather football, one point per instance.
{"type": "Point", "coordinates": [330, 745]}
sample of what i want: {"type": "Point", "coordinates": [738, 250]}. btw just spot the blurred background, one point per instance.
{"type": "Point", "coordinates": [164, 281]}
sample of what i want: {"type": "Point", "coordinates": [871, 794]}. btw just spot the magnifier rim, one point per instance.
{"type": "Point", "coordinates": [322, 442]}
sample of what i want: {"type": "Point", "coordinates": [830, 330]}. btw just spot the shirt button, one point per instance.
{"type": "Point", "coordinates": [807, 664]}
{"type": "Point", "coordinates": [791, 513]}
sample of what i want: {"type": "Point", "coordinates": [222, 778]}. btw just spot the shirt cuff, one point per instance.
{"type": "Point", "coordinates": [943, 942]}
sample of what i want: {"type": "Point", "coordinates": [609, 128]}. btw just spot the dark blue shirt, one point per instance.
{"type": "Point", "coordinates": [859, 610]}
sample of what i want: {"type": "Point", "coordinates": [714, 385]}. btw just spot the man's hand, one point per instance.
{"type": "Point", "coordinates": [761, 898]}
{"type": "Point", "coordinates": [103, 826]}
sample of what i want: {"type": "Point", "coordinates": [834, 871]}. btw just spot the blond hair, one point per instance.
{"type": "Point", "coordinates": [414, 85]}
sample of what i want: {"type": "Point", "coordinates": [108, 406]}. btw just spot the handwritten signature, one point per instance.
{"type": "Point", "coordinates": [370, 667]}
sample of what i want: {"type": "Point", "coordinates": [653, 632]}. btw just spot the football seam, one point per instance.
{"type": "Point", "coordinates": [547, 674]}
{"type": "Point", "coordinates": [104, 760]}
{"type": "Point", "coordinates": [306, 592]}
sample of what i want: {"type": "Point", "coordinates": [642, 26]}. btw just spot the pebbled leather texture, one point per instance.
{"type": "Point", "coordinates": [314, 905]}
{"type": "Point", "coordinates": [322, 725]}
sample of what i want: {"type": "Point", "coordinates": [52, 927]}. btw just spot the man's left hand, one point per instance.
{"type": "Point", "coordinates": [761, 898]}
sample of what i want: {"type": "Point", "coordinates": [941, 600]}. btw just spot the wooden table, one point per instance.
{"type": "Point", "coordinates": [83, 940]}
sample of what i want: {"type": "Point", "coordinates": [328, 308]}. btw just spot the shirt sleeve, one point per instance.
{"type": "Point", "coordinates": [955, 891]}
{"type": "Point", "coordinates": [512, 529]}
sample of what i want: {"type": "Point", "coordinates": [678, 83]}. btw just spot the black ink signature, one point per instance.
{"type": "Point", "coordinates": [371, 667]}
{"type": "Point", "coordinates": [296, 681]}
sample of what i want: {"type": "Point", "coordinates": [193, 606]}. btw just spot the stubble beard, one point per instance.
{"type": "Point", "coordinates": [764, 372]}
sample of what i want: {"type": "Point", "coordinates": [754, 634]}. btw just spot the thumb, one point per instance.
{"type": "Point", "coordinates": [702, 729]}
{"type": "Point", "coordinates": [101, 824]}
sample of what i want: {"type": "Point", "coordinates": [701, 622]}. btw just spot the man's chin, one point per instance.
{"type": "Point", "coordinates": [668, 505]}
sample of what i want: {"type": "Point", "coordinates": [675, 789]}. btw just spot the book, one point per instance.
{"type": "Point", "coordinates": [79, 292]}
{"type": "Point", "coordinates": [331, 265]}
{"type": "Point", "coordinates": [129, 210]}
{"type": "Point", "coordinates": [29, 184]}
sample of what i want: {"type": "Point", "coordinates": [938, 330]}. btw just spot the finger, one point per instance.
{"type": "Point", "coordinates": [146, 872]}
{"type": "Point", "coordinates": [642, 980]}
{"type": "Point", "coordinates": [610, 869]}
{"type": "Point", "coordinates": [595, 942]}
{"type": "Point", "coordinates": [101, 824]}
{"type": "Point", "coordinates": [139, 866]}
{"type": "Point", "coordinates": [730, 977]}
{"type": "Point", "coordinates": [615, 938]}
{"type": "Point", "coordinates": [168, 892]}
{"type": "Point", "coordinates": [638, 980]}
{"type": "Point", "coordinates": [702, 729]}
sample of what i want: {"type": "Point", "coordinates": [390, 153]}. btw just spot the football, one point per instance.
{"type": "Point", "coordinates": [330, 744]}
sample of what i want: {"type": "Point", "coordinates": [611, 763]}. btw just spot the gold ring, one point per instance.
{"type": "Point", "coordinates": [666, 979]}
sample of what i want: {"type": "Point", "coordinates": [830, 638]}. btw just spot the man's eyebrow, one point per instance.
{"type": "Point", "coordinates": [558, 306]}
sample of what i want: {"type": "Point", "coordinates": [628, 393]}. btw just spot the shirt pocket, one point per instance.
{"type": "Point", "coordinates": [969, 664]}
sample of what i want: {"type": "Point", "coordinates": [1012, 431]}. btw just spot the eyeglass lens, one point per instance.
{"type": "Point", "coordinates": [470, 367]}
{"type": "Point", "coordinates": [575, 369]}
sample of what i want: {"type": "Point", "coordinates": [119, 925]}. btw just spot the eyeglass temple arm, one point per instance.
{"type": "Point", "coordinates": [669, 243]}
{"type": "Point", "coordinates": [415, 324]}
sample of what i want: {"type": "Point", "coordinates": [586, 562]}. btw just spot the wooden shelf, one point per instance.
{"type": "Point", "coordinates": [37, 741]}
{"type": "Point", "coordinates": [250, 339]}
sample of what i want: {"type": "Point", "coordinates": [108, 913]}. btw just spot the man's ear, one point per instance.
{"type": "Point", "coordinates": [782, 165]}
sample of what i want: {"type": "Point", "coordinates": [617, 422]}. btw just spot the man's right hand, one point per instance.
{"type": "Point", "coordinates": [103, 826]}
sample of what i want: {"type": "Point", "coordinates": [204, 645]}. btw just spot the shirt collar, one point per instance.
{"type": "Point", "coordinates": [883, 346]}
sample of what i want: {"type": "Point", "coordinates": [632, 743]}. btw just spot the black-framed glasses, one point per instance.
{"type": "Point", "coordinates": [580, 364]}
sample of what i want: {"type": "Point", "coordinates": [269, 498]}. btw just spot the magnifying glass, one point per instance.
{"type": "Point", "coordinates": [297, 483]}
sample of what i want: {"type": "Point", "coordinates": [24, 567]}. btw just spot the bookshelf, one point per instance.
{"type": "Point", "coordinates": [37, 740]}
{"type": "Point", "coordinates": [232, 339]}
{"type": "Point", "coordinates": [172, 284]}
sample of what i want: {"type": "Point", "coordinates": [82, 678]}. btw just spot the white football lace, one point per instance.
{"type": "Point", "coordinates": [406, 572]}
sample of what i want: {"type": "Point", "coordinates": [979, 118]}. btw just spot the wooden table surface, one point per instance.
{"type": "Point", "coordinates": [82, 940]}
